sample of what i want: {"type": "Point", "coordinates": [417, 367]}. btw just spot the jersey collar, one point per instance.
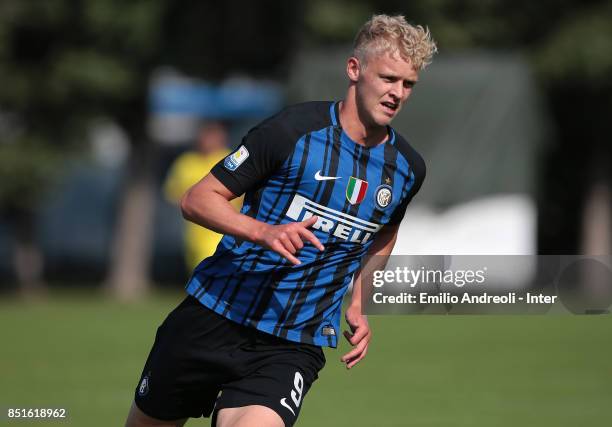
{"type": "Point", "coordinates": [334, 114]}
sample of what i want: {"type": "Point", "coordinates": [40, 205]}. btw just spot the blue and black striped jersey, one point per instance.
{"type": "Point", "coordinates": [294, 165]}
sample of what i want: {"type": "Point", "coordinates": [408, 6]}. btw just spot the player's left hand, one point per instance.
{"type": "Point", "coordinates": [359, 337]}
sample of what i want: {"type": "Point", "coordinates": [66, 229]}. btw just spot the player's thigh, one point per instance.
{"type": "Point", "coordinates": [279, 381]}
{"type": "Point", "coordinates": [189, 361]}
{"type": "Point", "coordinates": [137, 418]}
{"type": "Point", "coordinates": [249, 416]}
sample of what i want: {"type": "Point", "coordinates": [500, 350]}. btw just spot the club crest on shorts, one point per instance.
{"type": "Point", "coordinates": [383, 196]}
{"type": "Point", "coordinates": [143, 388]}
{"type": "Point", "coordinates": [236, 158]}
{"type": "Point", "coordinates": [356, 190]}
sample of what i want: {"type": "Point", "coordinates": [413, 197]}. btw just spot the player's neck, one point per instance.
{"type": "Point", "coordinates": [354, 126]}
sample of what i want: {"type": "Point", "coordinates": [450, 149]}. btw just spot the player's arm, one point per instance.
{"type": "Point", "coordinates": [375, 259]}
{"type": "Point", "coordinates": [207, 203]}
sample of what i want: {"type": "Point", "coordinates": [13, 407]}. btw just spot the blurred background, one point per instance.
{"type": "Point", "coordinates": [109, 110]}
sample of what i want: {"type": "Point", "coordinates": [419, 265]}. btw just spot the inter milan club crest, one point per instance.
{"type": "Point", "coordinates": [143, 389]}
{"type": "Point", "coordinates": [383, 195]}
{"type": "Point", "coordinates": [356, 190]}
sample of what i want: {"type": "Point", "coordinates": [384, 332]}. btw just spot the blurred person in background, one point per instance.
{"type": "Point", "coordinates": [211, 146]}
{"type": "Point", "coordinates": [326, 186]}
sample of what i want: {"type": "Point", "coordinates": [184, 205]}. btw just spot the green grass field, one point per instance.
{"type": "Point", "coordinates": [84, 353]}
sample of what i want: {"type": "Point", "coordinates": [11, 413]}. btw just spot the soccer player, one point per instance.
{"type": "Point", "coordinates": [186, 170]}
{"type": "Point", "coordinates": [326, 185]}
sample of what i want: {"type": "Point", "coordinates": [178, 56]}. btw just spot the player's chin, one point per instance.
{"type": "Point", "coordinates": [384, 118]}
{"type": "Point", "coordinates": [386, 114]}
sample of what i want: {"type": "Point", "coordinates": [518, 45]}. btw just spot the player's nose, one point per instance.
{"type": "Point", "coordinates": [396, 92]}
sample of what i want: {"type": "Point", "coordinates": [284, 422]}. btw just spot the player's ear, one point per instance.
{"type": "Point", "coordinates": [353, 69]}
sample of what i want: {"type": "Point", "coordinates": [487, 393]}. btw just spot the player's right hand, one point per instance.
{"type": "Point", "coordinates": [287, 239]}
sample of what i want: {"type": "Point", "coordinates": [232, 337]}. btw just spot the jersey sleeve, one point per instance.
{"type": "Point", "coordinates": [263, 151]}
{"type": "Point", "coordinates": [418, 169]}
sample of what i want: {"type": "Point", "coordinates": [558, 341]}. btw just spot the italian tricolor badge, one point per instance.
{"type": "Point", "coordinates": [356, 190]}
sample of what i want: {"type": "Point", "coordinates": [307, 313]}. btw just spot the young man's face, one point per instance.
{"type": "Point", "coordinates": [383, 86]}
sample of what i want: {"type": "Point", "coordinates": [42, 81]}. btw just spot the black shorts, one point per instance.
{"type": "Point", "coordinates": [198, 354]}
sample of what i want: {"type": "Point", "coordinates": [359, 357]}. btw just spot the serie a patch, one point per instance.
{"type": "Point", "coordinates": [236, 158]}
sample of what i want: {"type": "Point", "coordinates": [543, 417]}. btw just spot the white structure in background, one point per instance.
{"type": "Point", "coordinates": [502, 225]}
{"type": "Point", "coordinates": [110, 146]}
{"type": "Point", "coordinates": [495, 225]}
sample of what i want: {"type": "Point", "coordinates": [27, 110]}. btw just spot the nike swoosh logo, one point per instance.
{"type": "Point", "coordinates": [283, 402]}
{"type": "Point", "coordinates": [320, 177]}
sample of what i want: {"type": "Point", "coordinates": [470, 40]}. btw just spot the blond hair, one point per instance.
{"type": "Point", "coordinates": [392, 34]}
